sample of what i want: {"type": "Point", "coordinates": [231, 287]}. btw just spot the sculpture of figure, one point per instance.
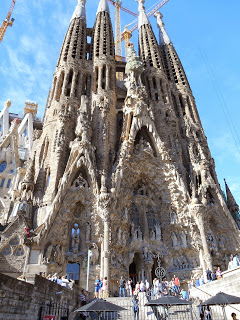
{"type": "Point", "coordinates": [95, 254]}
{"type": "Point", "coordinates": [124, 239]}
{"type": "Point", "coordinates": [120, 235]}
{"type": "Point", "coordinates": [134, 67]}
{"type": "Point", "coordinates": [75, 239]}
{"type": "Point", "coordinates": [174, 240]}
{"type": "Point", "coordinates": [58, 256]}
{"type": "Point", "coordinates": [48, 254]}
{"type": "Point", "coordinates": [138, 233]}
{"type": "Point", "coordinates": [88, 231]}
{"type": "Point", "coordinates": [173, 217]}
{"type": "Point", "coordinates": [184, 239]}
{"type": "Point", "coordinates": [152, 235]}
{"type": "Point", "coordinates": [145, 253]}
{"type": "Point", "coordinates": [158, 231]}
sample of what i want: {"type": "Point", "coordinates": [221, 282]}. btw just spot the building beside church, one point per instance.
{"type": "Point", "coordinates": [17, 133]}
{"type": "Point", "coordinates": [120, 167]}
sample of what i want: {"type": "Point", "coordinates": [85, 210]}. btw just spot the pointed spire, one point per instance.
{"type": "Point", "coordinates": [163, 36]}
{"type": "Point", "coordinates": [143, 19]}
{"type": "Point", "coordinates": [103, 6]}
{"type": "Point", "coordinates": [231, 202]}
{"type": "Point", "coordinates": [80, 11]}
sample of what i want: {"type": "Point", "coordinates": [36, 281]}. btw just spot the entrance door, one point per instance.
{"type": "Point", "coordinates": [133, 273]}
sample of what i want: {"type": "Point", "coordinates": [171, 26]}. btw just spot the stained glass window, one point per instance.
{"type": "Point", "coordinates": [14, 241]}
{"type": "Point", "coordinates": [6, 251]}
{"type": "Point", "coordinates": [19, 251]}
{"type": "Point", "coordinates": [9, 183]}
{"type": "Point", "coordinates": [3, 166]}
{"type": "Point", "coordinates": [2, 183]}
{"type": "Point", "coordinates": [135, 214]}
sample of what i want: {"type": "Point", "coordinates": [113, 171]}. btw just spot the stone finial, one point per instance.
{"type": "Point", "coordinates": [80, 11]}
{"type": "Point", "coordinates": [143, 19]}
{"type": "Point", "coordinates": [163, 36]}
{"type": "Point", "coordinates": [8, 103]}
{"type": "Point", "coordinates": [31, 107]}
{"type": "Point", "coordinates": [103, 6]}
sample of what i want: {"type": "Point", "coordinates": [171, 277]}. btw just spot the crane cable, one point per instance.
{"type": "Point", "coordinates": [221, 99]}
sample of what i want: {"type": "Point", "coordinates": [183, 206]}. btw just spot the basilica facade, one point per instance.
{"type": "Point", "coordinates": [122, 168]}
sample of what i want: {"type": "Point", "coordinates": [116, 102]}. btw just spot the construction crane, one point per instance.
{"type": "Point", "coordinates": [118, 6]}
{"type": "Point", "coordinates": [7, 23]}
{"type": "Point", "coordinates": [127, 34]}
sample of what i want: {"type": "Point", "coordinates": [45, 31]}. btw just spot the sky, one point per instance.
{"type": "Point", "coordinates": [204, 33]}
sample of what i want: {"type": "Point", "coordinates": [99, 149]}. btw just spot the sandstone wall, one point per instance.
{"type": "Point", "coordinates": [21, 300]}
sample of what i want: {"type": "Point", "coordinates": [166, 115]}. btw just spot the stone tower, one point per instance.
{"type": "Point", "coordinates": [121, 168]}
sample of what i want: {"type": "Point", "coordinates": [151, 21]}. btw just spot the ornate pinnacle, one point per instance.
{"type": "Point", "coordinates": [80, 11]}
{"type": "Point", "coordinates": [164, 38]}
{"type": "Point", "coordinates": [143, 19]}
{"type": "Point", "coordinates": [103, 6]}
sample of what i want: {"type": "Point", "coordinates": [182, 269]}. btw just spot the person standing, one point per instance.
{"type": "Point", "coordinates": [97, 287]}
{"type": "Point", "coordinates": [104, 288]}
{"type": "Point", "coordinates": [234, 316]}
{"type": "Point", "coordinates": [219, 273]}
{"type": "Point", "coordinates": [121, 287]}
{"type": "Point", "coordinates": [135, 308]}
{"type": "Point", "coordinates": [209, 275]}
{"type": "Point", "coordinates": [177, 284]}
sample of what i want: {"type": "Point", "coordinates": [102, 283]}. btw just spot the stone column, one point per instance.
{"type": "Point", "coordinates": [108, 76]}
{"type": "Point", "coordinates": [102, 258]}
{"type": "Point", "coordinates": [100, 70]}
{"type": "Point", "coordinates": [73, 87]}
{"type": "Point", "coordinates": [104, 208]}
{"type": "Point", "coordinates": [65, 80]}
{"type": "Point", "coordinates": [199, 211]}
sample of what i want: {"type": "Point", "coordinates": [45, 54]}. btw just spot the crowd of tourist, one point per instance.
{"type": "Point", "coordinates": [61, 280]}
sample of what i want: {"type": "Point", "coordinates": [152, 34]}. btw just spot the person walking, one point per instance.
{"type": "Point", "coordinates": [121, 287]}
{"type": "Point", "coordinates": [135, 308]}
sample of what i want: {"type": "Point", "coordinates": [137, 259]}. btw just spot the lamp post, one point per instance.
{"type": "Point", "coordinates": [88, 267]}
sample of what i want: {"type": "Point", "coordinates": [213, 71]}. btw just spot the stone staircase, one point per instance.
{"type": "Point", "coordinates": [146, 313]}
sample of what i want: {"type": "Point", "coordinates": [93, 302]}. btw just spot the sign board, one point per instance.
{"type": "Point", "coordinates": [49, 318]}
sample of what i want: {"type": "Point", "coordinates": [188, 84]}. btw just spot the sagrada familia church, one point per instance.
{"type": "Point", "coordinates": [121, 168]}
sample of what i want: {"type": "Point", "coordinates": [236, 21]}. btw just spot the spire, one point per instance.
{"type": "Point", "coordinates": [231, 202]}
{"type": "Point", "coordinates": [143, 19]}
{"type": "Point", "coordinates": [103, 6]}
{"type": "Point", "coordinates": [80, 11]}
{"type": "Point", "coordinates": [163, 36]}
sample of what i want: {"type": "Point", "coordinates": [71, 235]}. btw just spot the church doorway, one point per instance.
{"type": "Point", "coordinates": [136, 270]}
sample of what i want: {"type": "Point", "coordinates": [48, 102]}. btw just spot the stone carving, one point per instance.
{"type": "Point", "coordinates": [174, 240]}
{"type": "Point", "coordinates": [88, 231]}
{"type": "Point", "coordinates": [134, 67]}
{"type": "Point", "coordinates": [95, 254]}
{"type": "Point", "coordinates": [184, 239]}
{"type": "Point", "coordinates": [152, 235]}
{"type": "Point", "coordinates": [158, 232]}
{"type": "Point", "coordinates": [75, 240]}
{"type": "Point", "coordinates": [212, 242]}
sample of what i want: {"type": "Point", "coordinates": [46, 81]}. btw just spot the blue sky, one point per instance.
{"type": "Point", "coordinates": [205, 34]}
